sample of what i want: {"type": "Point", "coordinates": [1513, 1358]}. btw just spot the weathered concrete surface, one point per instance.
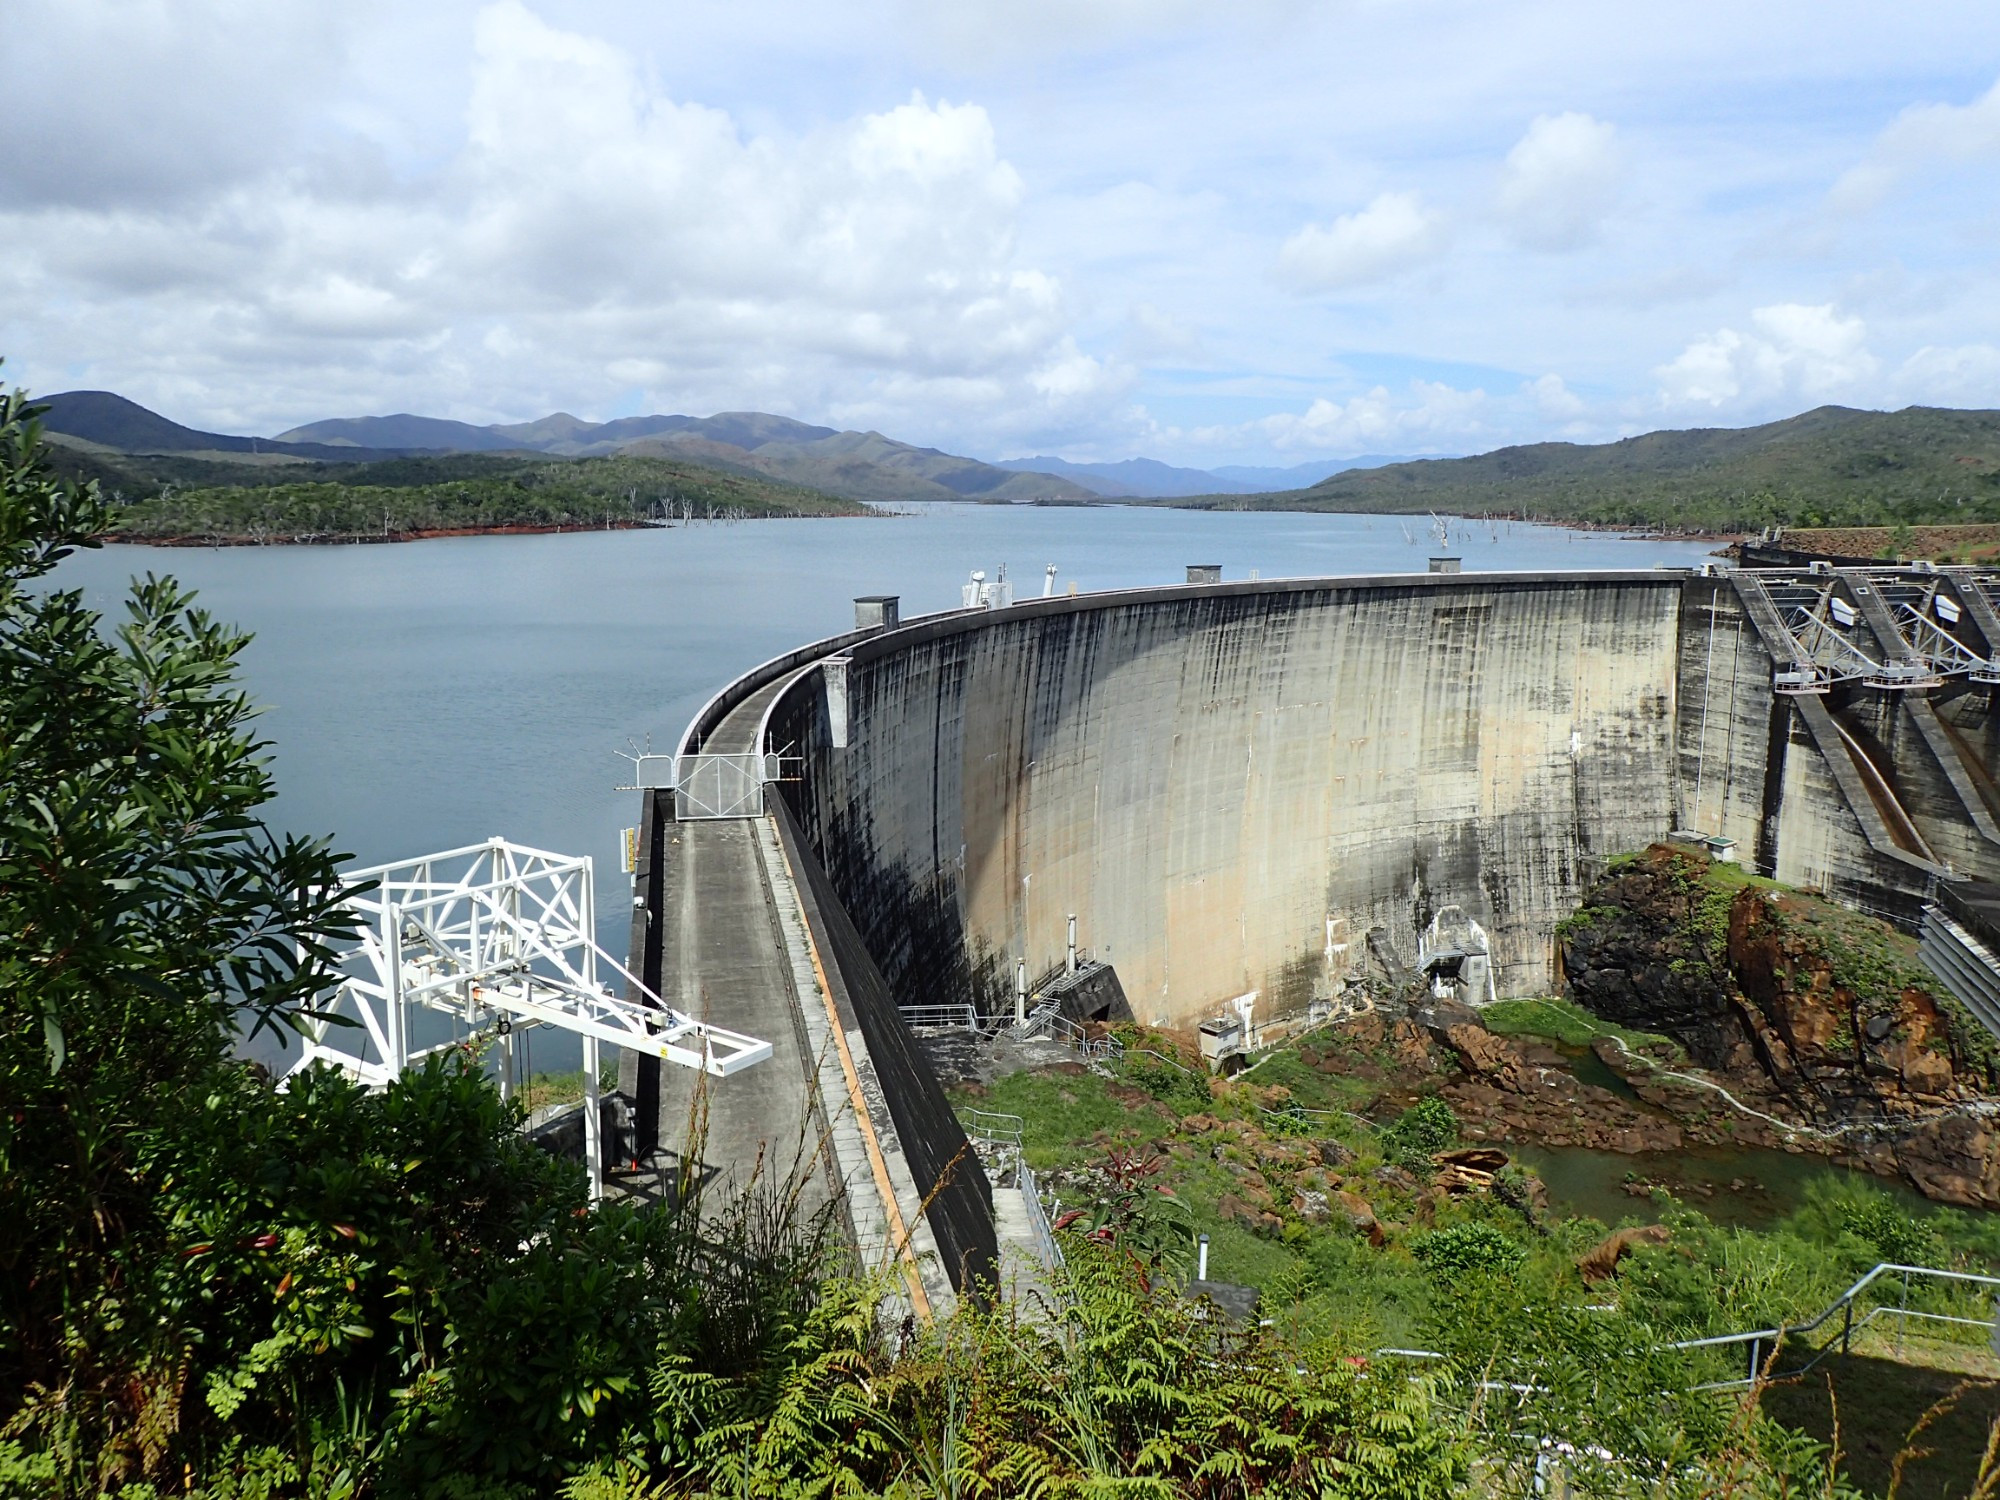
{"type": "Point", "coordinates": [724, 962]}
{"type": "Point", "coordinates": [726, 934]}
{"type": "Point", "coordinates": [1246, 787]}
{"type": "Point", "coordinates": [1208, 776]}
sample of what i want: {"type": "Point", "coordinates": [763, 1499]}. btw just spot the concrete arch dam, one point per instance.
{"type": "Point", "coordinates": [1232, 785]}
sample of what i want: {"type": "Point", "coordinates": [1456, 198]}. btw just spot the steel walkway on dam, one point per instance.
{"type": "Point", "coordinates": [730, 930]}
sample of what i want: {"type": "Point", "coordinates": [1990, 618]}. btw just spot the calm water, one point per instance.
{"type": "Point", "coordinates": [428, 695]}
{"type": "Point", "coordinates": [1747, 1187]}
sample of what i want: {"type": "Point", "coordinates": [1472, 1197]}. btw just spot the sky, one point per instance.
{"type": "Point", "coordinates": [1261, 231]}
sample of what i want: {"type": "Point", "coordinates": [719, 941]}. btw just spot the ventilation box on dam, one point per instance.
{"type": "Point", "coordinates": [1232, 784]}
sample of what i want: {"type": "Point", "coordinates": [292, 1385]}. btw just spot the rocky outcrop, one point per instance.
{"type": "Point", "coordinates": [1808, 1014]}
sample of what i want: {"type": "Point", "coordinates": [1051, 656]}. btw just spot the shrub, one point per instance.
{"type": "Point", "coordinates": [1462, 1249]}
{"type": "Point", "coordinates": [1181, 1089]}
{"type": "Point", "coordinates": [1426, 1127]}
{"type": "Point", "coordinates": [1895, 1234]}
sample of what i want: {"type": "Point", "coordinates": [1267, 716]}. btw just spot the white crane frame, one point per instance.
{"type": "Point", "coordinates": [498, 933]}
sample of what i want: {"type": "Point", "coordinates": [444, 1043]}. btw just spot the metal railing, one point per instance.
{"type": "Point", "coordinates": [993, 1127]}
{"type": "Point", "coordinates": [1059, 1028]}
{"type": "Point", "coordinates": [1758, 1341]}
{"type": "Point", "coordinates": [1762, 1345]}
{"type": "Point", "coordinates": [1047, 1020]}
{"type": "Point", "coordinates": [720, 786]}
{"type": "Point", "coordinates": [1037, 1020]}
{"type": "Point", "coordinates": [954, 1017]}
{"type": "Point", "coordinates": [1046, 1247]}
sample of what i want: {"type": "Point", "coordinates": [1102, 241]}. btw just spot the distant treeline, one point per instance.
{"type": "Point", "coordinates": [459, 492]}
{"type": "Point", "coordinates": [1829, 467]}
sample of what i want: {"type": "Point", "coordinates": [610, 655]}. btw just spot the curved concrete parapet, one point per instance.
{"type": "Point", "coordinates": [1229, 785]}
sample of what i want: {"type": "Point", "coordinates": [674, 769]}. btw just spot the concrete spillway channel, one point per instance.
{"type": "Point", "coordinates": [1230, 786]}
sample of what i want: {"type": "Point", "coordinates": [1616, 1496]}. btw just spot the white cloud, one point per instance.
{"type": "Point", "coordinates": [1559, 182]}
{"type": "Point", "coordinates": [1390, 235]}
{"type": "Point", "coordinates": [138, 101]}
{"type": "Point", "coordinates": [1967, 375]}
{"type": "Point", "coordinates": [591, 236]}
{"type": "Point", "coordinates": [1553, 398]}
{"type": "Point", "coordinates": [1796, 353]}
{"type": "Point", "coordinates": [1151, 334]}
{"type": "Point", "coordinates": [1922, 137]}
{"type": "Point", "coordinates": [1432, 415]}
{"type": "Point", "coordinates": [981, 33]}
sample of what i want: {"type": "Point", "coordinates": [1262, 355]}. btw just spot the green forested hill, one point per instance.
{"type": "Point", "coordinates": [454, 492]}
{"type": "Point", "coordinates": [1832, 466]}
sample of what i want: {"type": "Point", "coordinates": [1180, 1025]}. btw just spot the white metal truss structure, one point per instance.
{"type": "Point", "coordinates": [1816, 615]}
{"type": "Point", "coordinates": [498, 936]}
{"type": "Point", "coordinates": [1818, 622]}
{"type": "Point", "coordinates": [1928, 613]}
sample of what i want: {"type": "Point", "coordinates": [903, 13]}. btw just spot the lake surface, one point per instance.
{"type": "Point", "coordinates": [428, 695]}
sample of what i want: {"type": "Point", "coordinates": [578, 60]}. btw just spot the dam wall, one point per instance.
{"type": "Point", "coordinates": [1230, 785]}
{"type": "Point", "coordinates": [1258, 789]}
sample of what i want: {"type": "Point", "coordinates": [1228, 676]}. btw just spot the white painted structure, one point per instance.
{"type": "Point", "coordinates": [499, 936]}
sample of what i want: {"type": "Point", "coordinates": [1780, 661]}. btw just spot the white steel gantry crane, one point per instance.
{"type": "Point", "coordinates": [503, 935]}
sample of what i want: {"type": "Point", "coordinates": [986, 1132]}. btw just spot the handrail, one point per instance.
{"type": "Point", "coordinates": [1038, 1219]}
{"type": "Point", "coordinates": [994, 1127]}
{"type": "Point", "coordinates": [1844, 1304]}
{"type": "Point", "coordinates": [966, 1016]}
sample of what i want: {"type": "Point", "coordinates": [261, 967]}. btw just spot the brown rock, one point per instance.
{"type": "Point", "coordinates": [1479, 1049]}
{"type": "Point", "coordinates": [1366, 1030]}
{"type": "Point", "coordinates": [1412, 1047]}
{"type": "Point", "coordinates": [1953, 1159]}
{"type": "Point", "coordinates": [1362, 1216]}
{"type": "Point", "coordinates": [1396, 1177]}
{"type": "Point", "coordinates": [1924, 1071]}
{"type": "Point", "coordinates": [1479, 1158]}
{"type": "Point", "coordinates": [1602, 1263]}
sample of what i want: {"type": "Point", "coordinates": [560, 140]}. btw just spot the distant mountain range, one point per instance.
{"type": "Point", "coordinates": [855, 465]}
{"type": "Point", "coordinates": [852, 465]}
{"type": "Point", "coordinates": [103, 420]}
{"type": "Point", "coordinates": [1147, 478]}
{"type": "Point", "coordinates": [1832, 466]}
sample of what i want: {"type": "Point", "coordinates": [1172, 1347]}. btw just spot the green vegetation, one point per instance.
{"type": "Point", "coordinates": [1355, 1251]}
{"type": "Point", "coordinates": [1829, 467]}
{"type": "Point", "coordinates": [1568, 1023]}
{"type": "Point", "coordinates": [400, 497]}
{"type": "Point", "coordinates": [212, 1288]}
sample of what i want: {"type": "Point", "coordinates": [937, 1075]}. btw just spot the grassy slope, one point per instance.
{"type": "Point", "coordinates": [1831, 466]}
{"type": "Point", "coordinates": [1323, 1283]}
{"type": "Point", "coordinates": [450, 492]}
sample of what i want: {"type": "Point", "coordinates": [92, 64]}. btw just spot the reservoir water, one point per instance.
{"type": "Point", "coordinates": [427, 695]}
